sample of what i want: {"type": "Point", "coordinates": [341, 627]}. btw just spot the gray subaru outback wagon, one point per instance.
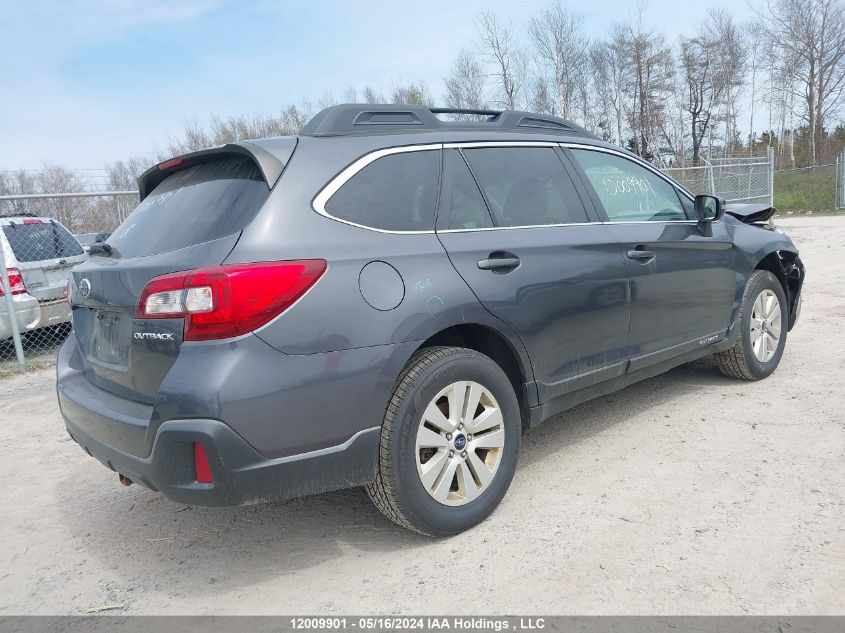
{"type": "Point", "coordinates": [391, 300]}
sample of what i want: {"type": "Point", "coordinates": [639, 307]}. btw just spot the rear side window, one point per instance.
{"type": "Point", "coordinates": [468, 210]}
{"type": "Point", "coordinates": [194, 205]}
{"type": "Point", "coordinates": [525, 186]}
{"type": "Point", "coordinates": [397, 192]}
{"type": "Point", "coordinates": [35, 242]}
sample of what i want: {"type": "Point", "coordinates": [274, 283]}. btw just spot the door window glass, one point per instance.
{"type": "Point", "coordinates": [468, 209]}
{"type": "Point", "coordinates": [525, 186]}
{"type": "Point", "coordinates": [628, 191]}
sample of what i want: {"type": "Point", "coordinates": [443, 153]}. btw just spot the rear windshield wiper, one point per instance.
{"type": "Point", "coordinates": [100, 248]}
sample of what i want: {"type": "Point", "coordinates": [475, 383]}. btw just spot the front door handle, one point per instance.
{"type": "Point", "coordinates": [499, 261]}
{"type": "Point", "coordinates": [642, 256]}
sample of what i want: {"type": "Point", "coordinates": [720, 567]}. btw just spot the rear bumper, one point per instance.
{"type": "Point", "coordinates": [32, 314]}
{"type": "Point", "coordinates": [241, 475]}
{"type": "Point", "coordinates": [132, 439]}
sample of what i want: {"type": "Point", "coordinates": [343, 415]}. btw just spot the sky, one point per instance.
{"type": "Point", "coordinates": [85, 83]}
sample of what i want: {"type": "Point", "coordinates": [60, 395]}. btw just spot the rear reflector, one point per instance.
{"type": "Point", "coordinates": [15, 282]}
{"type": "Point", "coordinates": [226, 301]}
{"type": "Point", "coordinates": [203, 468]}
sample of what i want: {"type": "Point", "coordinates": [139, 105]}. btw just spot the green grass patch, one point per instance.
{"type": "Point", "coordinates": [808, 191]}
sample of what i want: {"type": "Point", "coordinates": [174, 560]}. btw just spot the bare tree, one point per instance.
{"type": "Point", "coordinates": [703, 88]}
{"type": "Point", "coordinates": [647, 84]}
{"type": "Point", "coordinates": [561, 48]}
{"type": "Point", "coordinates": [412, 93]}
{"type": "Point", "coordinates": [809, 37]}
{"type": "Point", "coordinates": [731, 57]}
{"type": "Point", "coordinates": [610, 75]}
{"type": "Point", "coordinates": [69, 211]}
{"type": "Point", "coordinates": [499, 46]}
{"type": "Point", "coordinates": [371, 96]}
{"type": "Point", "coordinates": [13, 183]}
{"type": "Point", "coordinates": [465, 85]}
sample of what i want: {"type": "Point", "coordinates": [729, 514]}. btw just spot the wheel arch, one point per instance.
{"type": "Point", "coordinates": [496, 345]}
{"type": "Point", "coordinates": [786, 266]}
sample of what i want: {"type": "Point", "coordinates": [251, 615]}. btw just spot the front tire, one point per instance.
{"type": "Point", "coordinates": [763, 319]}
{"type": "Point", "coordinates": [449, 442]}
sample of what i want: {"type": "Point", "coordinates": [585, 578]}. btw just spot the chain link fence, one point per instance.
{"type": "Point", "coordinates": [739, 179]}
{"type": "Point", "coordinates": [36, 255]}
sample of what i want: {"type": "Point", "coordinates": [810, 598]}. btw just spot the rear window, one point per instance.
{"type": "Point", "coordinates": [192, 206]}
{"type": "Point", "coordinates": [44, 240]}
{"type": "Point", "coordinates": [397, 192]}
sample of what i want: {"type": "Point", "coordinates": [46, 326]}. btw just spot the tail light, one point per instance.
{"type": "Point", "coordinates": [15, 282]}
{"type": "Point", "coordinates": [225, 301]}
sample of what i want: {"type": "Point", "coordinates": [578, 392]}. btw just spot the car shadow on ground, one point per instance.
{"type": "Point", "coordinates": [139, 534]}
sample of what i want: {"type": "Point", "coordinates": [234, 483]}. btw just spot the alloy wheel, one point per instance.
{"type": "Point", "coordinates": [765, 325]}
{"type": "Point", "coordinates": [459, 443]}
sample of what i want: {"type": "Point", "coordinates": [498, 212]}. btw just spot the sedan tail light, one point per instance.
{"type": "Point", "coordinates": [226, 301]}
{"type": "Point", "coordinates": [15, 282]}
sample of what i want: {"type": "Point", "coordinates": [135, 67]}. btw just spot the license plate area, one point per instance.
{"type": "Point", "coordinates": [111, 339]}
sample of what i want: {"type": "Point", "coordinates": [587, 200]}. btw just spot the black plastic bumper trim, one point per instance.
{"type": "Point", "coordinates": [241, 474]}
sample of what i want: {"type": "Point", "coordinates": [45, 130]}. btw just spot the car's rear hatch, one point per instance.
{"type": "Point", "coordinates": [44, 252]}
{"type": "Point", "coordinates": [191, 215]}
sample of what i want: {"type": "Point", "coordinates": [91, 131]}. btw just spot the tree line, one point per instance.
{"type": "Point", "coordinates": [727, 88]}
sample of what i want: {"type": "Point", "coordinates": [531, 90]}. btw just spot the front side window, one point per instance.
{"type": "Point", "coordinates": [397, 192]}
{"type": "Point", "coordinates": [525, 186]}
{"type": "Point", "coordinates": [628, 191]}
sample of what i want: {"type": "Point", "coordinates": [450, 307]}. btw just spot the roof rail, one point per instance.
{"type": "Point", "coordinates": [362, 118]}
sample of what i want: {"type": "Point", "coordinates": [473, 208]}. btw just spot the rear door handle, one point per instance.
{"type": "Point", "coordinates": [499, 261]}
{"type": "Point", "coordinates": [644, 257]}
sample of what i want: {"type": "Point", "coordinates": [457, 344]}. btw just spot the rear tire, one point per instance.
{"type": "Point", "coordinates": [435, 477]}
{"type": "Point", "coordinates": [763, 318]}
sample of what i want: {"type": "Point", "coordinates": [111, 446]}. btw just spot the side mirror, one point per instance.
{"type": "Point", "coordinates": [708, 208]}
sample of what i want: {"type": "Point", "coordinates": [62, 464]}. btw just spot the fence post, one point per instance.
{"type": "Point", "coordinates": [840, 181]}
{"type": "Point", "coordinates": [711, 185]}
{"type": "Point", "coordinates": [836, 202]}
{"type": "Point", "coordinates": [770, 156]}
{"type": "Point", "coordinates": [10, 306]}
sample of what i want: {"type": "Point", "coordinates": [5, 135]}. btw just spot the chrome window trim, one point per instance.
{"type": "Point", "coordinates": [350, 170]}
{"type": "Point", "coordinates": [320, 200]}
{"type": "Point", "coordinates": [551, 226]}
{"type": "Point", "coordinates": [482, 144]}
{"type": "Point", "coordinates": [527, 226]}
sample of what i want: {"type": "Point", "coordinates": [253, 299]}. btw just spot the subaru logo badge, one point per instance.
{"type": "Point", "coordinates": [460, 442]}
{"type": "Point", "coordinates": [84, 288]}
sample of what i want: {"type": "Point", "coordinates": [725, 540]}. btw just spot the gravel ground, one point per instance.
{"type": "Point", "coordinates": [689, 493]}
